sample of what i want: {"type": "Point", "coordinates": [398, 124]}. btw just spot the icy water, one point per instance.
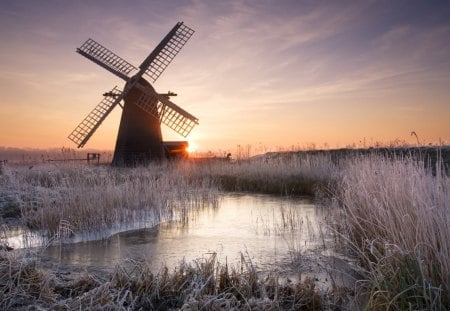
{"type": "Point", "coordinates": [265, 229]}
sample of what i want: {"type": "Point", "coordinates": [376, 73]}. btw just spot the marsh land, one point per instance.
{"type": "Point", "coordinates": [380, 217]}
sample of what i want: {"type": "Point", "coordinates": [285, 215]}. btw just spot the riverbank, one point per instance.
{"type": "Point", "coordinates": [375, 199]}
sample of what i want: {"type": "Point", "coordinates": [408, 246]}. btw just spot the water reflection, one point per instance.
{"type": "Point", "coordinates": [264, 227]}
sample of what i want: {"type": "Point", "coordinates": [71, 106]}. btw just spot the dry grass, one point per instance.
{"type": "Point", "coordinates": [393, 213]}
{"type": "Point", "coordinates": [68, 199]}
{"type": "Point", "coordinates": [396, 216]}
{"type": "Point", "coordinates": [22, 283]}
{"type": "Point", "coordinates": [203, 285]}
{"type": "Point", "coordinates": [285, 174]}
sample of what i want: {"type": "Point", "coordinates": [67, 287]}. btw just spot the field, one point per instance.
{"type": "Point", "coordinates": [389, 209]}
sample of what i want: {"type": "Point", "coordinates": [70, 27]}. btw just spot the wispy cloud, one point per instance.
{"type": "Point", "coordinates": [248, 60]}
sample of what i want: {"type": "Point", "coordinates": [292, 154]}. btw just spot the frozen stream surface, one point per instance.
{"type": "Point", "coordinates": [270, 231]}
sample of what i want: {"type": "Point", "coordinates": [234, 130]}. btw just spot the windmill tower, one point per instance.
{"type": "Point", "coordinates": [139, 139]}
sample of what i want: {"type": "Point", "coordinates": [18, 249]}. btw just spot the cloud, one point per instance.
{"type": "Point", "coordinates": [262, 62]}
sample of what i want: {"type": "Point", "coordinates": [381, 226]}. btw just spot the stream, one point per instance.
{"type": "Point", "coordinates": [268, 231]}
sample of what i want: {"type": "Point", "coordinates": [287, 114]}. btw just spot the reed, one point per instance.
{"type": "Point", "coordinates": [98, 199]}
{"type": "Point", "coordinates": [95, 200]}
{"type": "Point", "coordinates": [396, 216]}
{"type": "Point", "coordinates": [23, 283]}
{"type": "Point", "coordinates": [202, 285]}
{"type": "Point", "coordinates": [283, 174]}
{"type": "Point", "coordinates": [391, 211]}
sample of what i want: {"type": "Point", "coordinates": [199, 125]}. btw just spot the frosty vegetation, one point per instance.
{"type": "Point", "coordinates": [390, 212]}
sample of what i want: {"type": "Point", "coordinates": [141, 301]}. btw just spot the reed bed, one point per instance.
{"type": "Point", "coordinates": [63, 200]}
{"type": "Point", "coordinates": [392, 213]}
{"type": "Point", "coordinates": [203, 285]}
{"type": "Point", "coordinates": [395, 214]}
{"type": "Point", "coordinates": [282, 174]}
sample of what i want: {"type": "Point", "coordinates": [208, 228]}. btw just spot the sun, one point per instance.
{"type": "Point", "coordinates": [192, 147]}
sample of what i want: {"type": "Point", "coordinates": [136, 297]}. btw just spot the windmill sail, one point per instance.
{"type": "Point", "coordinates": [165, 52]}
{"type": "Point", "coordinates": [106, 59]}
{"type": "Point", "coordinates": [139, 139]}
{"type": "Point", "coordinates": [175, 117]}
{"type": "Point", "coordinates": [169, 113]}
{"type": "Point", "coordinates": [81, 134]}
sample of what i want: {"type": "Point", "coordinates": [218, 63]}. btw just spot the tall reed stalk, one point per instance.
{"type": "Point", "coordinates": [285, 174]}
{"type": "Point", "coordinates": [396, 215]}
{"type": "Point", "coordinates": [88, 199]}
{"type": "Point", "coordinates": [203, 285]}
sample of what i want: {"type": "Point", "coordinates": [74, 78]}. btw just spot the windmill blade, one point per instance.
{"type": "Point", "coordinates": [169, 113]}
{"type": "Point", "coordinates": [175, 117]}
{"type": "Point", "coordinates": [81, 134]}
{"type": "Point", "coordinates": [106, 59]}
{"type": "Point", "coordinates": [158, 60]}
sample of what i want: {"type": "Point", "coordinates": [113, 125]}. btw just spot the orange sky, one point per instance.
{"type": "Point", "coordinates": [268, 74]}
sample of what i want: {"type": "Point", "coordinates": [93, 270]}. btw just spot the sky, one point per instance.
{"type": "Point", "coordinates": [266, 74]}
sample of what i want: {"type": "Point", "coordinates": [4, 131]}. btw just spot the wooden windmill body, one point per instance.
{"type": "Point", "coordinates": [139, 140]}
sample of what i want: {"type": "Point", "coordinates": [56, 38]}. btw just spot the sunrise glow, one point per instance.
{"type": "Point", "coordinates": [192, 147]}
{"type": "Point", "coordinates": [272, 75]}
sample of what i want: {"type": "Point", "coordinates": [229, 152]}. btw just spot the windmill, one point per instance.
{"type": "Point", "coordinates": [139, 139]}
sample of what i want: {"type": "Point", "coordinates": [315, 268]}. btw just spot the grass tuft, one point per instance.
{"type": "Point", "coordinates": [202, 285]}
{"type": "Point", "coordinates": [396, 217]}
{"type": "Point", "coordinates": [23, 283]}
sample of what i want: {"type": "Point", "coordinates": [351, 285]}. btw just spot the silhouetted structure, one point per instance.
{"type": "Point", "coordinates": [93, 157]}
{"type": "Point", "coordinates": [139, 140]}
{"type": "Point", "coordinates": [2, 165]}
